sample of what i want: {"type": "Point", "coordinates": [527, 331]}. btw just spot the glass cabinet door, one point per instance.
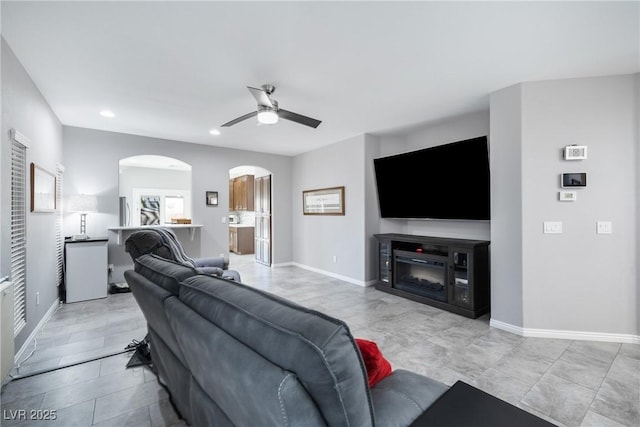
{"type": "Point", "coordinates": [384, 263]}
{"type": "Point", "coordinates": [460, 294]}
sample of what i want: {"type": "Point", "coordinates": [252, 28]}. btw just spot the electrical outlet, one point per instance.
{"type": "Point", "coordinates": [335, 258]}
{"type": "Point", "coordinates": [37, 298]}
{"type": "Point", "coordinates": [552, 227]}
{"type": "Point", "coordinates": [604, 227]}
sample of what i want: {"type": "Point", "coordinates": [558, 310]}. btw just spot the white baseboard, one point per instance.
{"type": "Point", "coordinates": [32, 335]}
{"type": "Point", "coordinates": [566, 335]}
{"type": "Point", "coordinates": [334, 275]}
{"type": "Point", "coordinates": [282, 264]}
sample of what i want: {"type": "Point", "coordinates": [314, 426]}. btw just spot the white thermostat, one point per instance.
{"type": "Point", "coordinates": [575, 152]}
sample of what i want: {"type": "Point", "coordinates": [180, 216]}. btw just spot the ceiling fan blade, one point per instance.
{"type": "Point", "coordinates": [239, 119]}
{"type": "Point", "coordinates": [261, 96]}
{"type": "Point", "coordinates": [298, 118]}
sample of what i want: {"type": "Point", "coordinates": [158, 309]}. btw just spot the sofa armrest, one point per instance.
{"type": "Point", "coordinates": [212, 262]}
{"type": "Point", "coordinates": [402, 396]}
{"type": "Point", "coordinates": [211, 271]}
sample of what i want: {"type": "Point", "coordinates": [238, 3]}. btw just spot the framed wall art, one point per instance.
{"type": "Point", "coordinates": [149, 210]}
{"type": "Point", "coordinates": [212, 198]}
{"type": "Point", "coordinates": [323, 201]}
{"type": "Point", "coordinates": [43, 190]}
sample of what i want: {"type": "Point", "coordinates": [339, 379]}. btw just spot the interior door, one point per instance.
{"type": "Point", "coordinates": [263, 219]}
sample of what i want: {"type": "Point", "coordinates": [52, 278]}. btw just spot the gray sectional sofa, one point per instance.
{"type": "Point", "coordinates": [232, 355]}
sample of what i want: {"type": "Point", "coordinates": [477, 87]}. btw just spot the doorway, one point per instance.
{"type": "Point", "coordinates": [250, 213]}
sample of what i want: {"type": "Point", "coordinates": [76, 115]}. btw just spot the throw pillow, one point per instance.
{"type": "Point", "coordinates": [377, 366]}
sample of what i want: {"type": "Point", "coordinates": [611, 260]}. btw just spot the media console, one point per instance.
{"type": "Point", "coordinates": [451, 274]}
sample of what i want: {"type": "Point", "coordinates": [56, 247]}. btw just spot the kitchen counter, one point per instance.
{"type": "Point", "coordinates": [240, 225]}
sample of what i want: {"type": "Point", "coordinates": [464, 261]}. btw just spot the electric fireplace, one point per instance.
{"type": "Point", "coordinates": [450, 274]}
{"type": "Point", "coordinates": [421, 274]}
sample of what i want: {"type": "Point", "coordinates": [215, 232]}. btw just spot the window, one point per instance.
{"type": "Point", "coordinates": [174, 208]}
{"type": "Point", "coordinates": [18, 229]}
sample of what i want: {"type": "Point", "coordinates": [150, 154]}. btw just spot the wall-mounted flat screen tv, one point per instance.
{"type": "Point", "coordinates": [449, 181]}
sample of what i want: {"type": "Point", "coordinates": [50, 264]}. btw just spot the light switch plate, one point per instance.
{"type": "Point", "coordinates": [604, 227]}
{"type": "Point", "coordinates": [552, 227]}
{"type": "Point", "coordinates": [568, 196]}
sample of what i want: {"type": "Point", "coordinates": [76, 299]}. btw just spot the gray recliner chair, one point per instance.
{"type": "Point", "coordinates": [164, 243]}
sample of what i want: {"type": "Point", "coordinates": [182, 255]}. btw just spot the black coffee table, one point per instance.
{"type": "Point", "coordinates": [466, 406]}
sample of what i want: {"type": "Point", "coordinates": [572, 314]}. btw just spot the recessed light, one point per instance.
{"type": "Point", "coordinates": [107, 113]}
{"type": "Point", "coordinates": [215, 132]}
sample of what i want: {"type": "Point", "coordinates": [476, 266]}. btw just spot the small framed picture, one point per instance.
{"type": "Point", "coordinates": [212, 198]}
{"type": "Point", "coordinates": [43, 190]}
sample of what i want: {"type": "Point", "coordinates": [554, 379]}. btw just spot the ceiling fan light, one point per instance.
{"type": "Point", "coordinates": [268, 117]}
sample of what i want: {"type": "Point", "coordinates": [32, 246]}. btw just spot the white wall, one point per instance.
{"type": "Point", "coordinates": [25, 109]}
{"type": "Point", "coordinates": [92, 157]}
{"type": "Point", "coordinates": [578, 283]}
{"type": "Point", "coordinates": [318, 238]}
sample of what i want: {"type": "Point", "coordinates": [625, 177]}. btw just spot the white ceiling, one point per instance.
{"type": "Point", "coordinates": [175, 70]}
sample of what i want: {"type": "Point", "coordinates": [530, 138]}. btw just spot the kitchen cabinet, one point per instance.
{"type": "Point", "coordinates": [241, 239]}
{"type": "Point", "coordinates": [242, 194]}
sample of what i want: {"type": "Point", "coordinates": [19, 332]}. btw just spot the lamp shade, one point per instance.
{"type": "Point", "coordinates": [82, 203]}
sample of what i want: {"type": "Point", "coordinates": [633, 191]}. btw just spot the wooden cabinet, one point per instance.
{"type": "Point", "coordinates": [263, 219]}
{"type": "Point", "coordinates": [451, 274]}
{"type": "Point", "coordinates": [241, 240]}
{"type": "Point", "coordinates": [241, 193]}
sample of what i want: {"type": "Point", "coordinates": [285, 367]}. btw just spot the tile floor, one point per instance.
{"type": "Point", "coordinates": [570, 383]}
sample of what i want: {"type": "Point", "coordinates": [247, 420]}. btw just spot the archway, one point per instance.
{"type": "Point", "coordinates": [154, 190]}
{"type": "Point", "coordinates": [250, 213]}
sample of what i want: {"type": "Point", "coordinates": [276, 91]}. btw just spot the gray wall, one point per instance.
{"type": "Point", "coordinates": [24, 109]}
{"type": "Point", "coordinates": [372, 211]}
{"type": "Point", "coordinates": [506, 206]}
{"type": "Point", "coordinates": [579, 280]}
{"type": "Point", "coordinates": [317, 238]}
{"type": "Point", "coordinates": [91, 158]}
{"type": "Point", "coordinates": [575, 281]}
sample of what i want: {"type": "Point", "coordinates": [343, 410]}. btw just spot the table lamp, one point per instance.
{"type": "Point", "coordinates": [83, 203]}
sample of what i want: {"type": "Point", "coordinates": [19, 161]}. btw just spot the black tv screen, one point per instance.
{"type": "Point", "coordinates": [449, 181]}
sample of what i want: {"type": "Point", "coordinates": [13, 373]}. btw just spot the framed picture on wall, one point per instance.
{"type": "Point", "coordinates": [323, 201]}
{"type": "Point", "coordinates": [43, 190]}
{"type": "Point", "coordinates": [212, 198]}
{"type": "Point", "coordinates": [149, 210]}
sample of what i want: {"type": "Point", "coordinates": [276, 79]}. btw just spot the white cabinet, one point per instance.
{"type": "Point", "coordinates": [86, 271]}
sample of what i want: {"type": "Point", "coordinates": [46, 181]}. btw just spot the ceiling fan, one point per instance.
{"type": "Point", "coordinates": [268, 111]}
